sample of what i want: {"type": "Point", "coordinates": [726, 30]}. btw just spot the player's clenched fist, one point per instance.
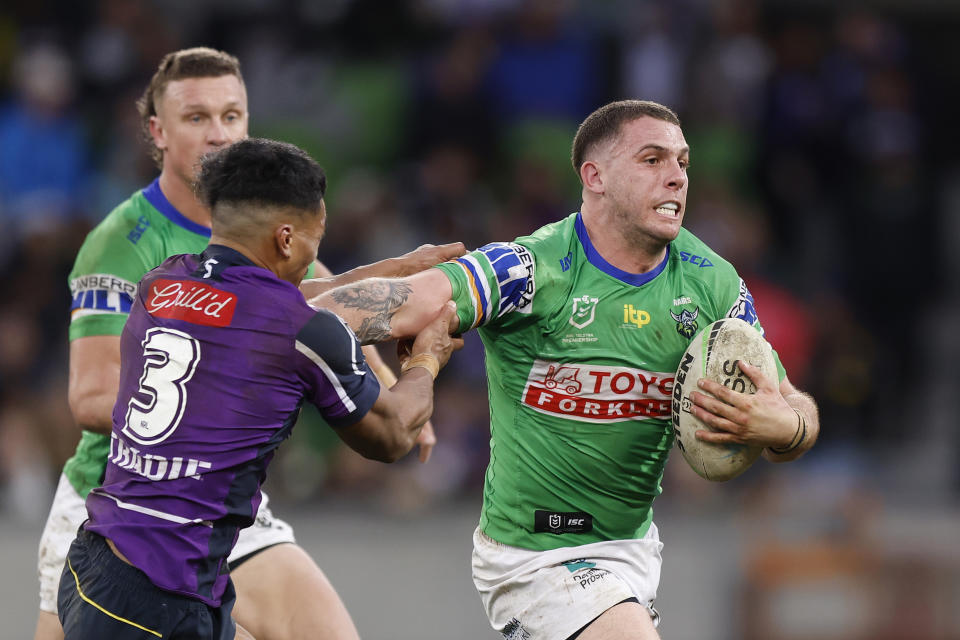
{"type": "Point", "coordinates": [434, 340]}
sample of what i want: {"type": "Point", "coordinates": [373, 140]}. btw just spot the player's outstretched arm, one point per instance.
{"type": "Point", "coordinates": [423, 257]}
{"type": "Point", "coordinates": [381, 309]}
{"type": "Point", "coordinates": [94, 380]}
{"type": "Point", "coordinates": [390, 429]}
{"type": "Point", "coordinates": [782, 419]}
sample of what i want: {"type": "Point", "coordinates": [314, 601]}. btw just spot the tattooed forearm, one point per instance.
{"type": "Point", "coordinates": [378, 301]}
{"type": "Point", "coordinates": [373, 295]}
{"type": "Point", "coordinates": [375, 329]}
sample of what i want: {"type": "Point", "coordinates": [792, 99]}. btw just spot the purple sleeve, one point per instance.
{"type": "Point", "coordinates": [339, 381]}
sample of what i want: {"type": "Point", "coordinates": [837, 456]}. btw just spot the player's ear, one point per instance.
{"type": "Point", "coordinates": [590, 177]}
{"type": "Point", "coordinates": [157, 133]}
{"type": "Point", "coordinates": [323, 218]}
{"type": "Point", "coordinates": [283, 239]}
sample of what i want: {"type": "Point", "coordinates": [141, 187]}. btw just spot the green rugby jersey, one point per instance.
{"type": "Point", "coordinates": [135, 237]}
{"type": "Point", "coordinates": [580, 362]}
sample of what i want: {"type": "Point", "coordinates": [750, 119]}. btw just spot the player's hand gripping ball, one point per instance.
{"type": "Point", "coordinates": [713, 354]}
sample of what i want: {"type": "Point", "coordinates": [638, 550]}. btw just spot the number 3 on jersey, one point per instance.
{"type": "Point", "coordinates": [154, 412]}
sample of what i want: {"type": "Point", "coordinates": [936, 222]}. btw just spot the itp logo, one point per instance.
{"type": "Point", "coordinates": [633, 316]}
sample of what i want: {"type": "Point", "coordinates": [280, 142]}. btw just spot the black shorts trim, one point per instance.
{"type": "Point", "coordinates": [581, 629]}
{"type": "Point", "coordinates": [239, 561]}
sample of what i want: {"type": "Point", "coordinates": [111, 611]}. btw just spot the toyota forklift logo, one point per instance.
{"type": "Point", "coordinates": [597, 393]}
{"type": "Point", "coordinates": [563, 377]}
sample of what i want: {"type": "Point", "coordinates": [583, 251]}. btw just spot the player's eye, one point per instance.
{"type": "Point", "coordinates": [652, 160]}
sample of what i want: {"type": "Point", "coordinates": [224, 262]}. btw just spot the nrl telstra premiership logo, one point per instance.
{"type": "Point", "coordinates": [584, 309]}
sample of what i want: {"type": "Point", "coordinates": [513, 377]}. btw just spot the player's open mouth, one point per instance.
{"type": "Point", "coordinates": [669, 209]}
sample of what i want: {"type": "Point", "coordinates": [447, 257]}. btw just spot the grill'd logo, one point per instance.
{"type": "Point", "coordinates": [597, 393]}
{"type": "Point", "coordinates": [194, 302]}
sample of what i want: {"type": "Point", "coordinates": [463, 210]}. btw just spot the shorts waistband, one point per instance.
{"type": "Point", "coordinates": [104, 561]}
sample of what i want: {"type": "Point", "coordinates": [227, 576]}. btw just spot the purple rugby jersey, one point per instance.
{"type": "Point", "coordinates": [217, 357]}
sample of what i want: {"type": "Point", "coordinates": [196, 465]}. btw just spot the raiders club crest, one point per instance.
{"type": "Point", "coordinates": [686, 322]}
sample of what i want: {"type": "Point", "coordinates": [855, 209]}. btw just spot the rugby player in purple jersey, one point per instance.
{"type": "Point", "coordinates": [218, 354]}
{"type": "Point", "coordinates": [194, 104]}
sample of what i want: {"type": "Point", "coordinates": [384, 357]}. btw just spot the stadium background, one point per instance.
{"type": "Point", "coordinates": [824, 168]}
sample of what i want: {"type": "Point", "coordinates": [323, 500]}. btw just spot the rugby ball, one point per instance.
{"type": "Point", "coordinates": [713, 354]}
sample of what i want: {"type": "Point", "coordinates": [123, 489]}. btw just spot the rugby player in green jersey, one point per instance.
{"type": "Point", "coordinates": [584, 322]}
{"type": "Point", "coordinates": [195, 103]}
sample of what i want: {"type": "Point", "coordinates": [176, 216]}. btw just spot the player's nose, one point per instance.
{"type": "Point", "coordinates": [217, 133]}
{"type": "Point", "coordinates": [676, 177]}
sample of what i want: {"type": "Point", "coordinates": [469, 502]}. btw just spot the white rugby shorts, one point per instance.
{"type": "Point", "coordinates": [68, 512]}
{"type": "Point", "coordinates": [550, 595]}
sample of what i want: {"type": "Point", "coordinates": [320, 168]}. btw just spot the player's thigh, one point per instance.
{"type": "Point", "coordinates": [560, 592]}
{"type": "Point", "coordinates": [48, 627]}
{"type": "Point", "coordinates": [283, 595]}
{"type": "Point", "coordinates": [625, 621]}
{"type": "Point", "coordinates": [67, 513]}
{"type": "Point", "coordinates": [243, 634]}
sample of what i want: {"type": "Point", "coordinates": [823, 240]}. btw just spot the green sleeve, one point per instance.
{"type": "Point", "coordinates": [461, 297]}
{"type": "Point", "coordinates": [103, 282]}
{"type": "Point", "coordinates": [492, 283]}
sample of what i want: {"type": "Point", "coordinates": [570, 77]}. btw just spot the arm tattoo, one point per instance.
{"type": "Point", "coordinates": [380, 299]}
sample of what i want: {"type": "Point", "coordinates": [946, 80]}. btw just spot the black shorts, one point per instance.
{"type": "Point", "coordinates": [101, 596]}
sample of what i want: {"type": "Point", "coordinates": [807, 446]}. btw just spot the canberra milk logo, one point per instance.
{"type": "Point", "coordinates": [101, 293]}
{"type": "Point", "coordinates": [584, 310]}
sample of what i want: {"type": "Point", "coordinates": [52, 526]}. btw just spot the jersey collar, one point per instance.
{"type": "Point", "coordinates": [226, 256]}
{"type": "Point", "coordinates": [155, 196]}
{"type": "Point", "coordinates": [594, 258]}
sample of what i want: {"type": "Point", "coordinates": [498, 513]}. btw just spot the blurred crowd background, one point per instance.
{"type": "Point", "coordinates": [823, 140]}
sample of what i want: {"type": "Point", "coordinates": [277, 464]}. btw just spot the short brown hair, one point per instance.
{"type": "Point", "coordinates": [605, 123]}
{"type": "Point", "coordinates": [198, 62]}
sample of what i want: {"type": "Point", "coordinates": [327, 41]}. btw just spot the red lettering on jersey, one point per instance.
{"type": "Point", "coordinates": [595, 408]}
{"type": "Point", "coordinates": [597, 393]}
{"type": "Point", "coordinates": [195, 302]}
